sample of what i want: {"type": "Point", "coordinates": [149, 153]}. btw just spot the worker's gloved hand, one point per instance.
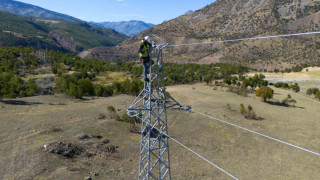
{"type": "Point", "coordinates": [143, 52]}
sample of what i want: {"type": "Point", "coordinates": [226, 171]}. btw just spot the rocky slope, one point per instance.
{"type": "Point", "coordinates": [229, 19]}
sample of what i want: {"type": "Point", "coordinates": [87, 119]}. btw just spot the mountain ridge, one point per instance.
{"type": "Point", "coordinates": [129, 28]}
{"type": "Point", "coordinates": [54, 34]}
{"type": "Point", "coordinates": [232, 19]}
{"type": "Point", "coordinates": [30, 10]}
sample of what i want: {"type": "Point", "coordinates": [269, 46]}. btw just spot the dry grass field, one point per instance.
{"type": "Point", "coordinates": [27, 124]}
{"type": "Point", "coordinates": [306, 73]}
{"type": "Point", "coordinates": [110, 77]}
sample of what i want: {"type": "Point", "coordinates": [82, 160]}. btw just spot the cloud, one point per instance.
{"type": "Point", "coordinates": [119, 0]}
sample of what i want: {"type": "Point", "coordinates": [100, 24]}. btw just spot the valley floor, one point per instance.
{"type": "Point", "coordinates": [27, 124]}
{"type": "Point", "coordinates": [310, 73]}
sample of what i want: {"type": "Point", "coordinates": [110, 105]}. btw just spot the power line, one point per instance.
{"type": "Point", "coordinates": [224, 171]}
{"type": "Point", "coordinates": [192, 151]}
{"type": "Point", "coordinates": [257, 133]}
{"type": "Point", "coordinates": [150, 108]}
{"type": "Point", "coordinates": [245, 39]}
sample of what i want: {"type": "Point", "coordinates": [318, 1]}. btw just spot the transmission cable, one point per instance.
{"type": "Point", "coordinates": [192, 151]}
{"type": "Point", "coordinates": [224, 171]}
{"type": "Point", "coordinates": [257, 133]}
{"type": "Point", "coordinates": [245, 39]}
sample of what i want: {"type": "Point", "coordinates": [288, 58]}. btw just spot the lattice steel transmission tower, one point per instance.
{"type": "Point", "coordinates": [150, 107]}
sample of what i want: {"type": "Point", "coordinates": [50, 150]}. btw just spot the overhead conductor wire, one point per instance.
{"type": "Point", "coordinates": [257, 133]}
{"type": "Point", "coordinates": [224, 171]}
{"type": "Point", "coordinates": [184, 146]}
{"type": "Point", "coordinates": [245, 39]}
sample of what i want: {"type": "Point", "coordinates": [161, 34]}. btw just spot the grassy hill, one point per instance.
{"type": "Point", "coordinates": [54, 34]}
{"type": "Point", "coordinates": [230, 19]}
{"type": "Point", "coordinates": [27, 124]}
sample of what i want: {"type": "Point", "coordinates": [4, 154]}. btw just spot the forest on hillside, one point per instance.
{"type": "Point", "coordinates": [77, 77]}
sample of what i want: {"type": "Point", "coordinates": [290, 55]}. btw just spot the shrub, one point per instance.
{"type": "Point", "coordinates": [227, 80]}
{"type": "Point", "coordinates": [289, 100]}
{"type": "Point", "coordinates": [248, 113]}
{"type": "Point", "coordinates": [242, 109]}
{"type": "Point", "coordinates": [77, 85]}
{"type": "Point", "coordinates": [86, 86]}
{"type": "Point", "coordinates": [295, 87]}
{"type": "Point", "coordinates": [117, 87]}
{"type": "Point", "coordinates": [245, 83]}
{"type": "Point", "coordinates": [126, 118]}
{"type": "Point", "coordinates": [238, 90]}
{"type": "Point", "coordinates": [251, 114]}
{"type": "Point", "coordinates": [112, 112]}
{"type": "Point", "coordinates": [281, 85]}
{"type": "Point", "coordinates": [312, 91]}
{"type": "Point", "coordinates": [234, 80]}
{"type": "Point", "coordinates": [317, 95]}
{"type": "Point", "coordinates": [108, 91]}
{"type": "Point", "coordinates": [278, 84]}
{"type": "Point", "coordinates": [32, 88]}
{"type": "Point", "coordinates": [12, 86]}
{"type": "Point", "coordinates": [75, 91]}
{"type": "Point", "coordinates": [98, 89]}
{"type": "Point", "coordinates": [80, 84]}
{"type": "Point", "coordinates": [229, 107]}
{"type": "Point", "coordinates": [111, 109]}
{"type": "Point", "coordinates": [265, 93]}
{"type": "Point", "coordinates": [132, 122]}
{"type": "Point", "coordinates": [102, 116]}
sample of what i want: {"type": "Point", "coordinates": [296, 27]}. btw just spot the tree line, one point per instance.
{"type": "Point", "coordinates": [294, 87]}
{"type": "Point", "coordinates": [191, 73]}
{"type": "Point", "coordinates": [81, 84]}
{"type": "Point", "coordinates": [59, 59]}
{"type": "Point", "coordinates": [14, 62]}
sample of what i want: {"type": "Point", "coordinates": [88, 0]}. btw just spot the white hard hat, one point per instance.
{"type": "Point", "coordinates": [147, 38]}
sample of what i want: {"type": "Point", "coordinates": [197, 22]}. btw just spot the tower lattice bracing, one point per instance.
{"type": "Point", "coordinates": [150, 108]}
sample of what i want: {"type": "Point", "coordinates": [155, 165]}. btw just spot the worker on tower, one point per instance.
{"type": "Point", "coordinates": [144, 52]}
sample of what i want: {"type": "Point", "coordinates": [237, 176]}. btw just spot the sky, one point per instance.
{"type": "Point", "coordinates": [151, 11]}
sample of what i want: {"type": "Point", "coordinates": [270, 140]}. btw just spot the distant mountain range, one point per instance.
{"type": "Point", "coordinates": [188, 12]}
{"type": "Point", "coordinates": [129, 28]}
{"type": "Point", "coordinates": [29, 10]}
{"type": "Point", "coordinates": [28, 25]}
